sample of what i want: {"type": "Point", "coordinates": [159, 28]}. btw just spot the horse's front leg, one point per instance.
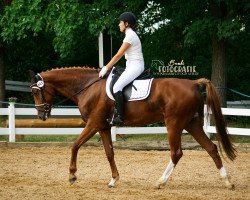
{"type": "Point", "coordinates": [86, 134]}
{"type": "Point", "coordinates": [108, 146]}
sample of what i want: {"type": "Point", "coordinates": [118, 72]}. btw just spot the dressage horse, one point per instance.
{"type": "Point", "coordinates": [177, 102]}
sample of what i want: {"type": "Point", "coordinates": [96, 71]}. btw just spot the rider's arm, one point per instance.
{"type": "Point", "coordinates": [118, 55]}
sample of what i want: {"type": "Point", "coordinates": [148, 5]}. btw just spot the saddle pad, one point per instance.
{"type": "Point", "coordinates": [140, 89]}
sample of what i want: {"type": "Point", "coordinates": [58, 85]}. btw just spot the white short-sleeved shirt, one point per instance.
{"type": "Point", "coordinates": [134, 52]}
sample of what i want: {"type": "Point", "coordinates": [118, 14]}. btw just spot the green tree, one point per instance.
{"type": "Point", "coordinates": [2, 82]}
{"type": "Point", "coordinates": [71, 27]}
{"type": "Point", "coordinates": [63, 20]}
{"type": "Point", "coordinates": [47, 33]}
{"type": "Point", "coordinates": [40, 34]}
{"type": "Point", "coordinates": [220, 21]}
{"type": "Point", "coordinates": [2, 79]}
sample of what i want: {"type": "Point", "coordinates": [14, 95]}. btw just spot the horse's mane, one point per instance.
{"type": "Point", "coordinates": [85, 68]}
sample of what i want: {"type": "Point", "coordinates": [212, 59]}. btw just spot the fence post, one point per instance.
{"type": "Point", "coordinates": [206, 121]}
{"type": "Point", "coordinates": [113, 133]}
{"type": "Point", "coordinates": [12, 128]}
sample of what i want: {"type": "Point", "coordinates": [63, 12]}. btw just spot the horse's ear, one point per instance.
{"type": "Point", "coordinates": [32, 75]}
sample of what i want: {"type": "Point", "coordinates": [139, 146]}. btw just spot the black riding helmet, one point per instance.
{"type": "Point", "coordinates": [128, 17]}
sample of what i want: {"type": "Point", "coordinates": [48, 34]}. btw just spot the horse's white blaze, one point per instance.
{"type": "Point", "coordinates": [166, 174]}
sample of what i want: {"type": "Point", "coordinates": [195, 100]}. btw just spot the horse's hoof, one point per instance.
{"type": "Point", "coordinates": [159, 184]}
{"type": "Point", "coordinates": [231, 186]}
{"type": "Point", "coordinates": [72, 179]}
{"type": "Point", "coordinates": [111, 186]}
{"type": "Point", "coordinates": [112, 182]}
{"type": "Point", "coordinates": [157, 187]}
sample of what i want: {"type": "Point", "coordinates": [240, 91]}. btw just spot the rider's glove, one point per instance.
{"type": "Point", "coordinates": [103, 72]}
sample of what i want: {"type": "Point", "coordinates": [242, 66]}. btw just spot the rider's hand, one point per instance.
{"type": "Point", "coordinates": [103, 72]}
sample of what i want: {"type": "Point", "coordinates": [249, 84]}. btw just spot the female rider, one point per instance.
{"type": "Point", "coordinates": [131, 47]}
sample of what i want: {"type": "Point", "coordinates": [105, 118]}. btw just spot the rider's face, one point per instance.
{"type": "Point", "coordinates": [122, 26]}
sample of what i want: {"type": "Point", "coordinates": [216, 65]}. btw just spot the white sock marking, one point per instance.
{"type": "Point", "coordinates": [112, 183]}
{"type": "Point", "coordinates": [166, 174]}
{"type": "Point", "coordinates": [223, 172]}
{"type": "Point", "coordinates": [168, 170]}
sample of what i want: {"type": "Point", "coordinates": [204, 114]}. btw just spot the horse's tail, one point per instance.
{"type": "Point", "coordinates": [213, 103]}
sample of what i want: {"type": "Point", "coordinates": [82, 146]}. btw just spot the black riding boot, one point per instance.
{"type": "Point", "coordinates": [118, 113]}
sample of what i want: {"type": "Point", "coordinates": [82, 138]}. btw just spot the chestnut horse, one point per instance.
{"type": "Point", "coordinates": [177, 102]}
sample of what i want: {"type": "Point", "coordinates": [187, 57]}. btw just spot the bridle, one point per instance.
{"type": "Point", "coordinates": [46, 107]}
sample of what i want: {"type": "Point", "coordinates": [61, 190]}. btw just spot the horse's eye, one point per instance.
{"type": "Point", "coordinates": [34, 91]}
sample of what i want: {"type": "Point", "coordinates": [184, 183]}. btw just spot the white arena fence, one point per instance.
{"type": "Point", "coordinates": [12, 131]}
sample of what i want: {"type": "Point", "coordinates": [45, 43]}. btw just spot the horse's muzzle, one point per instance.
{"type": "Point", "coordinates": [43, 115]}
{"type": "Point", "coordinates": [43, 111]}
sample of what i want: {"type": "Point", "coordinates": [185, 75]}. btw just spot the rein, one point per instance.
{"type": "Point", "coordinates": [86, 87]}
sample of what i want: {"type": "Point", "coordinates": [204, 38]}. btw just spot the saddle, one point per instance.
{"type": "Point", "coordinates": [127, 91]}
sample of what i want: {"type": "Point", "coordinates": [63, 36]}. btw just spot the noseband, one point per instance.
{"type": "Point", "coordinates": [44, 107]}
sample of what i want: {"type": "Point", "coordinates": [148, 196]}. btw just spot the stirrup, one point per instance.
{"type": "Point", "coordinates": [117, 121]}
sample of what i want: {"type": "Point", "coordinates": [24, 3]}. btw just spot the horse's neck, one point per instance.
{"type": "Point", "coordinates": [69, 84]}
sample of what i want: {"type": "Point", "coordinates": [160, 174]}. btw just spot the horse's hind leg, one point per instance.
{"type": "Point", "coordinates": [86, 134]}
{"type": "Point", "coordinates": [174, 138]}
{"type": "Point", "coordinates": [108, 146]}
{"type": "Point", "coordinates": [196, 130]}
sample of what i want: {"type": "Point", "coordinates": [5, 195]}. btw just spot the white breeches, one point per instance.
{"type": "Point", "coordinates": [133, 69]}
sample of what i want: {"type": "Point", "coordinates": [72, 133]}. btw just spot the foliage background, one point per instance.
{"type": "Point", "coordinates": [41, 35]}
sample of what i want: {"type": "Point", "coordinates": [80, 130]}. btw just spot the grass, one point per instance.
{"type": "Point", "coordinates": [140, 137]}
{"type": "Point", "coordinates": [47, 138]}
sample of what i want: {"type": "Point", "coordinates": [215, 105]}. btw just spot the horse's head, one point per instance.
{"type": "Point", "coordinates": [43, 95]}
